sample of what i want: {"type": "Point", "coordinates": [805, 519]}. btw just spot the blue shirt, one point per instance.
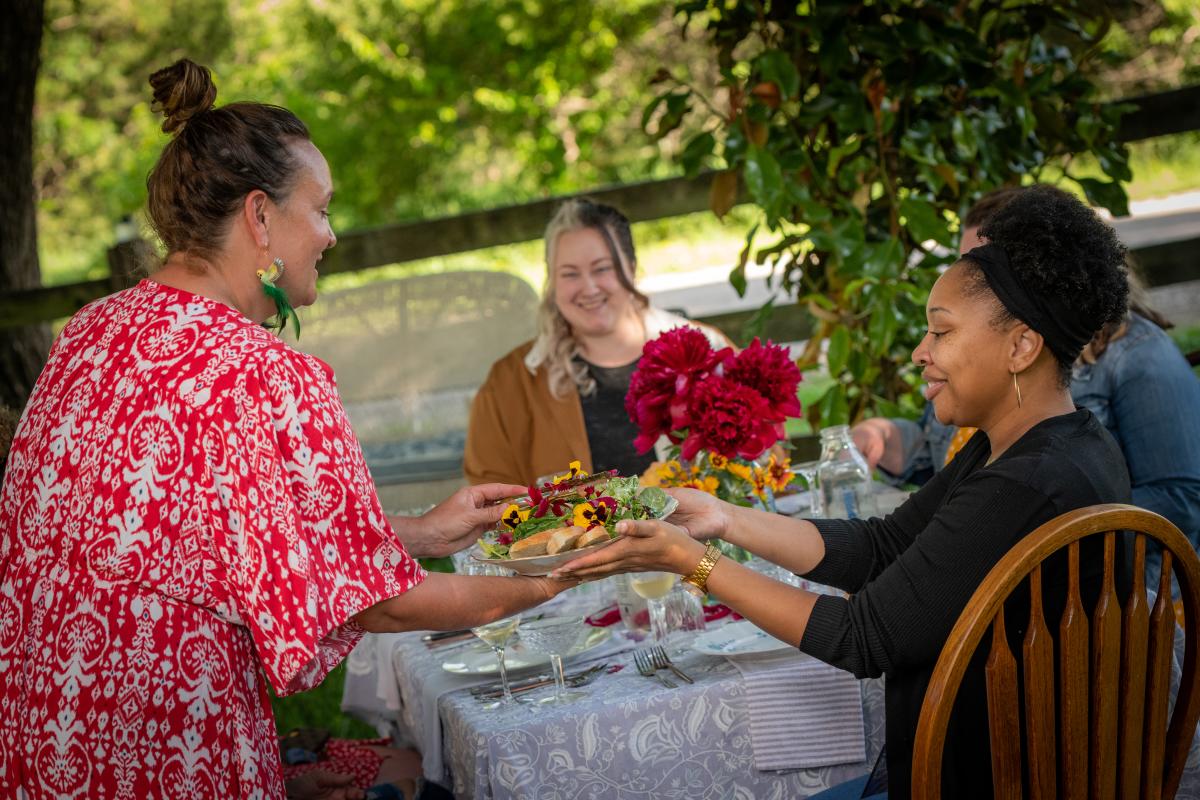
{"type": "Point", "coordinates": [1148, 398]}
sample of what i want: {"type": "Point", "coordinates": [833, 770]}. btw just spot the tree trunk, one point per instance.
{"type": "Point", "coordinates": [22, 350]}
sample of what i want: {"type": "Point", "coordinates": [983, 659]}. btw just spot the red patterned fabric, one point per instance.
{"type": "Point", "coordinates": [351, 757]}
{"type": "Point", "coordinates": [185, 516]}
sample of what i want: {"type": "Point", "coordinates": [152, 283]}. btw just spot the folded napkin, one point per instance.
{"type": "Point", "coordinates": [803, 713]}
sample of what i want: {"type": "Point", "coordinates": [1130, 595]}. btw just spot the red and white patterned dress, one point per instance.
{"type": "Point", "coordinates": [186, 515]}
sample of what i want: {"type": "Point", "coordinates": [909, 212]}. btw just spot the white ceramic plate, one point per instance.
{"type": "Point", "coordinates": [478, 658]}
{"type": "Point", "coordinates": [741, 638]}
{"type": "Point", "coordinates": [542, 565]}
{"type": "Point", "coordinates": [794, 504]}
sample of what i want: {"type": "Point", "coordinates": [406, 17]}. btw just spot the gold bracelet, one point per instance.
{"type": "Point", "coordinates": [699, 576]}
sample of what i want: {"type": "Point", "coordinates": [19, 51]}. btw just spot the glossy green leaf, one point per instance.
{"type": "Point", "coordinates": [764, 179]}
{"type": "Point", "coordinates": [774, 65]}
{"type": "Point", "coordinates": [924, 222]}
{"type": "Point", "coordinates": [839, 350]}
{"type": "Point", "coordinates": [696, 151]}
{"type": "Point", "coordinates": [1107, 194]}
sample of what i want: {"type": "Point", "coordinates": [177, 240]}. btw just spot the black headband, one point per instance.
{"type": "Point", "coordinates": [1065, 332]}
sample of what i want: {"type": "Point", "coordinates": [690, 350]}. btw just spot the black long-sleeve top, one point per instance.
{"type": "Point", "coordinates": [910, 575]}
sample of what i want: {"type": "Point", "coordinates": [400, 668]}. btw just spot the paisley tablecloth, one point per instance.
{"type": "Point", "coordinates": [631, 738]}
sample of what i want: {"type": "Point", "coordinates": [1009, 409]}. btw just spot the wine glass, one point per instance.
{"type": "Point", "coordinates": [555, 636]}
{"type": "Point", "coordinates": [498, 633]}
{"type": "Point", "coordinates": [654, 587]}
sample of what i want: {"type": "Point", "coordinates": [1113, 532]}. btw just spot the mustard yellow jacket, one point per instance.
{"type": "Point", "coordinates": [518, 431]}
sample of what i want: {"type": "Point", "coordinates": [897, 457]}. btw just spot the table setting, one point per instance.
{"type": "Point", "coordinates": [724, 711]}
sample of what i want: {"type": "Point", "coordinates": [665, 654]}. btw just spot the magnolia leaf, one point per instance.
{"type": "Point", "coordinates": [1110, 195]}
{"type": "Point", "coordinates": [924, 222]}
{"type": "Point", "coordinates": [857, 364]}
{"type": "Point", "coordinates": [737, 278]}
{"type": "Point", "coordinates": [885, 260]}
{"type": "Point", "coordinates": [697, 149]}
{"type": "Point", "coordinates": [764, 179]}
{"type": "Point", "coordinates": [887, 408]}
{"type": "Point", "coordinates": [963, 134]}
{"type": "Point", "coordinates": [651, 107]}
{"type": "Point", "coordinates": [839, 349]}
{"type": "Point", "coordinates": [832, 408]}
{"type": "Point", "coordinates": [947, 174]}
{"type": "Point", "coordinates": [722, 193]}
{"type": "Point", "coordinates": [777, 67]}
{"type": "Point", "coordinates": [677, 107]}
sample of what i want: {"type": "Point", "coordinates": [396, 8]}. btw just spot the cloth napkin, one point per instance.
{"type": "Point", "coordinates": [803, 712]}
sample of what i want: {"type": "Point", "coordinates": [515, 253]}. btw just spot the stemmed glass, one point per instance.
{"type": "Point", "coordinates": [555, 636]}
{"type": "Point", "coordinates": [497, 634]}
{"type": "Point", "coordinates": [654, 587]}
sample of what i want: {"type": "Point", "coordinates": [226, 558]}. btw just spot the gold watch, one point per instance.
{"type": "Point", "coordinates": [698, 579]}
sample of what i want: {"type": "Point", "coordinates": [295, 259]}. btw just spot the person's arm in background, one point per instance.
{"type": "Point", "coordinates": [904, 450]}
{"type": "Point", "coordinates": [881, 442]}
{"type": "Point", "coordinates": [1155, 404]}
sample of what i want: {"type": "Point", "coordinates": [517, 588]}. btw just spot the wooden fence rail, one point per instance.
{"type": "Point", "coordinates": [1155, 115]}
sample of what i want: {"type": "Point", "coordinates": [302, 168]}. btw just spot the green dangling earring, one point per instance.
{"type": "Point", "coordinates": [283, 308]}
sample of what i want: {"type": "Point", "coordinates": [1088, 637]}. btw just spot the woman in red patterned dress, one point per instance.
{"type": "Point", "coordinates": [186, 515]}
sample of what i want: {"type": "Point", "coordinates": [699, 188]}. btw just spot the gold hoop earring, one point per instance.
{"type": "Point", "coordinates": [1017, 386]}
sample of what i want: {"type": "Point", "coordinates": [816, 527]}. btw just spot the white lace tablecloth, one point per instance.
{"type": "Point", "coordinates": [631, 738]}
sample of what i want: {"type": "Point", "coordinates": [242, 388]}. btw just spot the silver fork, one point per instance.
{"type": "Point", "coordinates": [645, 667]}
{"type": "Point", "coordinates": [660, 659]}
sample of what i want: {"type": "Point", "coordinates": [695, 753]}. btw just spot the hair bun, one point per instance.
{"type": "Point", "coordinates": [181, 91]}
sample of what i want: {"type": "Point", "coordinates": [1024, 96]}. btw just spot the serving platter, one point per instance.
{"type": "Point", "coordinates": [541, 565]}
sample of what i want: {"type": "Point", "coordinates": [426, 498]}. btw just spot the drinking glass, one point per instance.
{"type": "Point", "coordinates": [654, 586]}
{"type": "Point", "coordinates": [555, 636]}
{"type": "Point", "coordinates": [497, 634]}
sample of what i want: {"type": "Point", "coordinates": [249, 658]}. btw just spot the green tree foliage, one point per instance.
{"type": "Point", "coordinates": [863, 131]}
{"type": "Point", "coordinates": [422, 107]}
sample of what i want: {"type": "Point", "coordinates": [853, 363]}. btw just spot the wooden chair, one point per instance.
{"type": "Point", "coordinates": [1110, 737]}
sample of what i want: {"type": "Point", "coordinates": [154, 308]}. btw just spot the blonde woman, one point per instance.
{"type": "Point", "coordinates": [561, 396]}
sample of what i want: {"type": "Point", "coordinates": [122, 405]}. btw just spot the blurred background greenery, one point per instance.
{"type": "Point", "coordinates": [427, 108]}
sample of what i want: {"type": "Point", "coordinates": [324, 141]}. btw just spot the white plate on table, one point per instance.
{"type": "Point", "coordinates": [478, 659]}
{"type": "Point", "coordinates": [795, 504]}
{"type": "Point", "coordinates": [741, 638]}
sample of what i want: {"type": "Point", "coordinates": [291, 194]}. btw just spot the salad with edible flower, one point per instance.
{"type": "Point", "coordinates": [574, 500]}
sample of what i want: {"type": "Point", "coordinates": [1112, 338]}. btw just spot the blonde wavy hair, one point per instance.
{"type": "Point", "coordinates": [555, 347]}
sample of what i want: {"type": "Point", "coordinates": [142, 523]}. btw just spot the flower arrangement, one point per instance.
{"type": "Point", "coordinates": [573, 499]}
{"type": "Point", "coordinates": [722, 412]}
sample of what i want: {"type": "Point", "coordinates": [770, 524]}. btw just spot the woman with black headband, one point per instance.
{"type": "Point", "coordinates": [1006, 322]}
